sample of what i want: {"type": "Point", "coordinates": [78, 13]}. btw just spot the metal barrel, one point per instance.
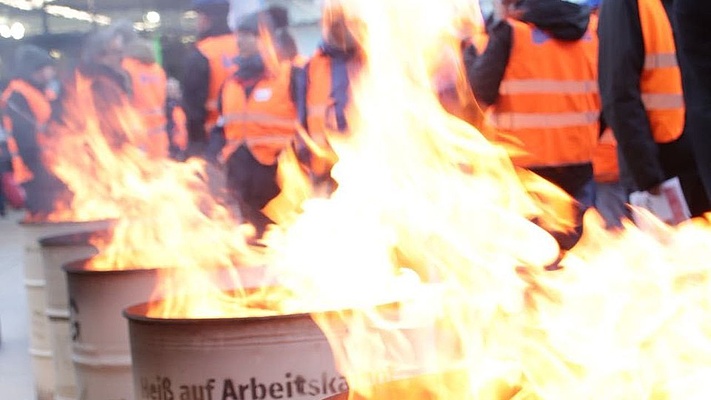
{"type": "Point", "coordinates": [33, 267]}
{"type": "Point", "coordinates": [277, 357]}
{"type": "Point", "coordinates": [100, 344]}
{"type": "Point", "coordinates": [56, 252]}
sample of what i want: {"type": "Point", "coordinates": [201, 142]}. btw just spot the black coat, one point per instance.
{"type": "Point", "coordinates": [195, 86]}
{"type": "Point", "coordinates": [643, 162]}
{"type": "Point", "coordinates": [693, 19]}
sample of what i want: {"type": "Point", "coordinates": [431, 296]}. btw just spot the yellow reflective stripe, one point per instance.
{"type": "Point", "coordinates": [262, 140]}
{"type": "Point", "coordinates": [662, 101]}
{"type": "Point", "coordinates": [317, 109]}
{"type": "Point", "coordinates": [259, 118]}
{"type": "Point", "coordinates": [211, 105]}
{"type": "Point", "coordinates": [514, 121]}
{"type": "Point", "coordinates": [534, 86]}
{"type": "Point", "coordinates": [151, 111]}
{"type": "Point", "coordinates": [660, 60]}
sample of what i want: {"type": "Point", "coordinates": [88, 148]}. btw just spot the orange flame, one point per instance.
{"type": "Point", "coordinates": [428, 241]}
{"type": "Point", "coordinates": [168, 215]}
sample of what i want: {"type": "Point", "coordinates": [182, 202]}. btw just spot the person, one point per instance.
{"type": "Point", "coordinates": [642, 99]}
{"type": "Point", "coordinates": [5, 168]}
{"type": "Point", "coordinates": [538, 77]}
{"type": "Point", "coordinates": [204, 70]}
{"type": "Point", "coordinates": [26, 112]}
{"type": "Point", "coordinates": [100, 89]}
{"type": "Point", "coordinates": [177, 121]}
{"type": "Point", "coordinates": [694, 52]}
{"type": "Point", "coordinates": [322, 101]}
{"type": "Point", "coordinates": [258, 118]}
{"type": "Point", "coordinates": [148, 94]}
{"type": "Point", "coordinates": [610, 195]}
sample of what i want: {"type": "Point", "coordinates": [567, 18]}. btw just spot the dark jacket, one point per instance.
{"type": "Point", "coordinates": [195, 84]}
{"type": "Point", "coordinates": [693, 20]}
{"type": "Point", "coordinates": [44, 188]}
{"type": "Point", "coordinates": [485, 70]}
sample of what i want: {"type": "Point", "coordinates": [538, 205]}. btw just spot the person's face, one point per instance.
{"type": "Point", "coordinates": [113, 54]}
{"type": "Point", "coordinates": [45, 75]}
{"type": "Point", "coordinates": [248, 44]}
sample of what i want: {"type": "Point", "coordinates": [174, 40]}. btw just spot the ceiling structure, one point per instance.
{"type": "Point", "coordinates": [42, 17]}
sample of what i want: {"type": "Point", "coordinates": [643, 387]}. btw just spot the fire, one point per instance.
{"type": "Point", "coordinates": [168, 216]}
{"type": "Point", "coordinates": [429, 244]}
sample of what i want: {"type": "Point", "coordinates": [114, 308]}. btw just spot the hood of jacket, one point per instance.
{"type": "Point", "coordinates": [562, 19]}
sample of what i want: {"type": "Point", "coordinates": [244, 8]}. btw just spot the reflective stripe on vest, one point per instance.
{"type": "Point", "coordinates": [258, 118]}
{"type": "Point", "coordinates": [548, 110]}
{"type": "Point", "coordinates": [220, 52]}
{"type": "Point", "coordinates": [514, 121]}
{"type": "Point", "coordinates": [519, 86]}
{"type": "Point", "coordinates": [660, 82]}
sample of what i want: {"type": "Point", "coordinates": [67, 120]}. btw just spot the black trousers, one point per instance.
{"type": "Point", "coordinates": [253, 185]}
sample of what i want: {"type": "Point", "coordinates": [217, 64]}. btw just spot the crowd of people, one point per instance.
{"type": "Point", "coordinates": [603, 98]}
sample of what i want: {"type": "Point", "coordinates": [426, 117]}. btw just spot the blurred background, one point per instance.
{"type": "Point", "coordinates": [60, 26]}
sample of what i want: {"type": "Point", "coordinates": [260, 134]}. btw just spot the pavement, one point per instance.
{"type": "Point", "coordinates": [16, 378]}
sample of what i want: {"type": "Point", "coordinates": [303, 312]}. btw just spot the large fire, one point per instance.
{"type": "Point", "coordinates": [429, 243]}
{"type": "Point", "coordinates": [166, 213]}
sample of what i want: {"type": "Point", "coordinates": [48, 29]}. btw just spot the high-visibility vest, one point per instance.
{"type": "Point", "coordinates": [660, 82]}
{"type": "Point", "coordinates": [265, 121]}
{"type": "Point", "coordinates": [220, 52]}
{"type": "Point", "coordinates": [606, 168]}
{"type": "Point", "coordinates": [548, 104]}
{"type": "Point", "coordinates": [318, 95]}
{"type": "Point", "coordinates": [149, 84]}
{"type": "Point", "coordinates": [41, 111]}
{"type": "Point", "coordinates": [180, 128]}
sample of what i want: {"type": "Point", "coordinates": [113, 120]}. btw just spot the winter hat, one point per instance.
{"type": "Point", "coordinates": [30, 58]}
{"type": "Point", "coordinates": [272, 19]}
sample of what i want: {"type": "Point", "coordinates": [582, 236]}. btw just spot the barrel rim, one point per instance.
{"type": "Point", "coordinates": [75, 238]}
{"type": "Point", "coordinates": [137, 314]}
{"type": "Point", "coordinates": [30, 223]}
{"type": "Point", "coordinates": [80, 267]}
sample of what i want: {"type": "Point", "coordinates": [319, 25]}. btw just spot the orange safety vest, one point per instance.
{"type": "Point", "coordinates": [548, 99]}
{"type": "Point", "coordinates": [319, 102]}
{"type": "Point", "coordinates": [605, 165]}
{"type": "Point", "coordinates": [149, 84]}
{"type": "Point", "coordinates": [180, 128]}
{"type": "Point", "coordinates": [41, 111]}
{"type": "Point", "coordinates": [220, 52]}
{"type": "Point", "coordinates": [660, 82]}
{"type": "Point", "coordinates": [266, 121]}
{"type": "Point", "coordinates": [318, 96]}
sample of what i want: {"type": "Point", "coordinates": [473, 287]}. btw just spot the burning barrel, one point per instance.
{"type": "Point", "coordinates": [273, 357]}
{"type": "Point", "coordinates": [56, 252]}
{"type": "Point", "coordinates": [100, 344]}
{"type": "Point", "coordinates": [40, 344]}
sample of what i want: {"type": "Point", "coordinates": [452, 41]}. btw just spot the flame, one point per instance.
{"type": "Point", "coordinates": [437, 252]}
{"type": "Point", "coordinates": [168, 215]}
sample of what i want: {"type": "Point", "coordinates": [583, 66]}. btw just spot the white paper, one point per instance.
{"type": "Point", "coordinates": [669, 206]}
